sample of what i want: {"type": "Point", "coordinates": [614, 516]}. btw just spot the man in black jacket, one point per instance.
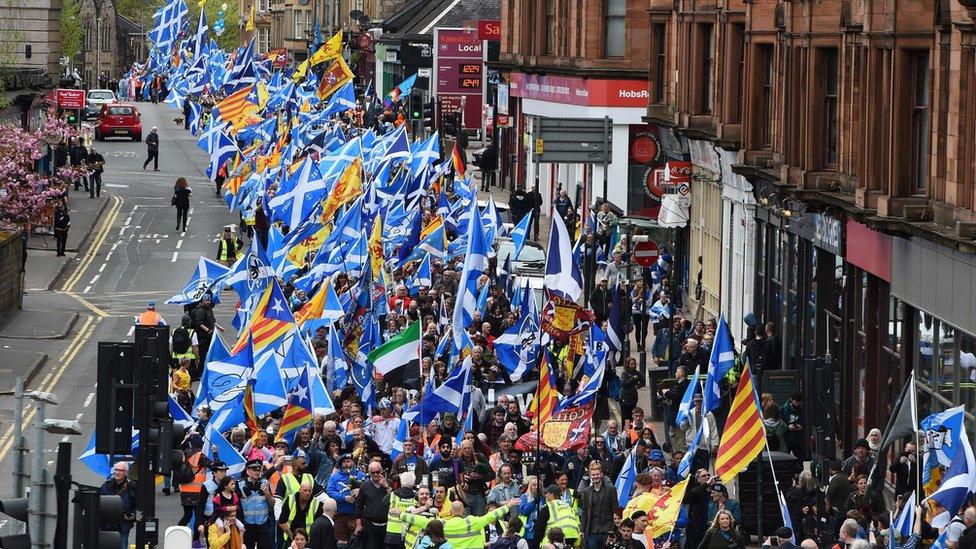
{"type": "Point", "coordinates": [96, 163]}
{"type": "Point", "coordinates": [519, 203]}
{"type": "Point", "coordinates": [322, 534]}
{"type": "Point", "coordinates": [372, 505]}
{"type": "Point", "coordinates": [61, 223]}
{"type": "Point", "coordinates": [488, 165]}
{"type": "Point", "coordinates": [535, 198]}
{"type": "Point", "coordinates": [152, 146]}
{"type": "Point", "coordinates": [600, 301]}
{"type": "Point", "coordinates": [906, 471]}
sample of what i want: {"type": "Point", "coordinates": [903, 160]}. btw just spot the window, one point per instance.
{"type": "Point", "coordinates": [830, 107]}
{"type": "Point", "coordinates": [660, 37]}
{"type": "Point", "coordinates": [264, 6]}
{"type": "Point", "coordinates": [918, 73]}
{"type": "Point", "coordinates": [616, 28]}
{"type": "Point", "coordinates": [707, 44]}
{"type": "Point", "coordinates": [550, 26]}
{"type": "Point", "coordinates": [733, 91]}
{"type": "Point", "coordinates": [264, 39]}
{"type": "Point", "coordinates": [766, 97]}
{"type": "Point", "coordinates": [299, 24]}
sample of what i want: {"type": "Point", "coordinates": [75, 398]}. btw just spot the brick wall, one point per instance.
{"type": "Point", "coordinates": [10, 279]}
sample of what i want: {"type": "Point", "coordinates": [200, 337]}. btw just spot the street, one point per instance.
{"type": "Point", "coordinates": [133, 255]}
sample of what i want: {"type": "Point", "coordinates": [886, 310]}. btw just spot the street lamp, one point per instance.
{"type": "Point", "coordinates": [98, 42]}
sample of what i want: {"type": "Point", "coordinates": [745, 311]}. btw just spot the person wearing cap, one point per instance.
{"type": "Point", "coordinates": [861, 459]}
{"type": "Point", "coordinates": [721, 502]}
{"type": "Point", "coordinates": [152, 147]}
{"type": "Point", "coordinates": [706, 448]}
{"type": "Point", "coordinates": [230, 248]}
{"type": "Point", "coordinates": [150, 317]}
{"type": "Point", "coordinates": [257, 502]}
{"type": "Point", "coordinates": [782, 538]}
{"type": "Point", "coordinates": [600, 300]}
{"type": "Point", "coordinates": [205, 502]}
{"type": "Point", "coordinates": [344, 487]}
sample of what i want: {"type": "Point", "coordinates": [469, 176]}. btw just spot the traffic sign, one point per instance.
{"type": "Point", "coordinates": [71, 99]}
{"type": "Point", "coordinates": [645, 254]}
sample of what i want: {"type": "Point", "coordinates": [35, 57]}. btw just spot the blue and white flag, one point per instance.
{"type": "Point", "coordinates": [684, 468]}
{"type": "Point", "coordinates": [562, 273]}
{"type": "Point", "coordinates": [942, 431]}
{"type": "Point", "coordinates": [233, 459]}
{"type": "Point", "coordinates": [333, 309]}
{"type": "Point", "coordinates": [179, 415]}
{"type": "Point", "coordinates": [448, 397]}
{"type": "Point", "coordinates": [684, 408]}
{"type": "Point", "coordinates": [625, 482]}
{"type": "Point", "coordinates": [586, 393]}
{"type": "Point", "coordinates": [206, 277]}
{"type": "Point", "coordinates": [342, 100]}
{"type": "Point", "coordinates": [251, 273]}
{"type": "Point", "coordinates": [518, 348]}
{"type": "Point", "coordinates": [959, 480]}
{"type": "Point", "coordinates": [784, 511]}
{"type": "Point", "coordinates": [520, 234]}
{"type": "Point", "coordinates": [336, 363]}
{"type": "Point", "coordinates": [903, 525]}
{"type": "Point", "coordinates": [475, 263]}
{"type": "Point", "coordinates": [223, 149]}
{"type": "Point", "coordinates": [217, 353]}
{"type": "Point", "coordinates": [423, 276]}
{"type": "Point", "coordinates": [100, 464]}
{"type": "Point", "coordinates": [402, 434]}
{"type": "Point", "coordinates": [721, 361]}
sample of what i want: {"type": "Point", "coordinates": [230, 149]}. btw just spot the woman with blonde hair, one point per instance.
{"type": "Point", "coordinates": [723, 534]}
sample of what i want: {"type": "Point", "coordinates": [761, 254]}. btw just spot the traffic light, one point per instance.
{"type": "Point", "coordinates": [72, 117]}
{"type": "Point", "coordinates": [115, 398]}
{"type": "Point", "coordinates": [416, 104]}
{"type": "Point", "coordinates": [428, 115]}
{"type": "Point", "coordinates": [95, 516]}
{"type": "Point", "coordinates": [15, 509]}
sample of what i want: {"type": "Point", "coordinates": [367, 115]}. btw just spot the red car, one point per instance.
{"type": "Point", "coordinates": [119, 120]}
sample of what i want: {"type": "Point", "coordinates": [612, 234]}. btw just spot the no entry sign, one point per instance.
{"type": "Point", "coordinates": [645, 254]}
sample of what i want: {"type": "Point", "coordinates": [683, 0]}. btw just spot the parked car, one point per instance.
{"type": "Point", "coordinates": [119, 120]}
{"type": "Point", "coordinates": [532, 260]}
{"type": "Point", "coordinates": [95, 101]}
{"type": "Point", "coordinates": [536, 285]}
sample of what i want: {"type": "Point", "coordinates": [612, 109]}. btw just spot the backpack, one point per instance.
{"type": "Point", "coordinates": [506, 543]}
{"type": "Point", "coordinates": [181, 340]}
{"type": "Point", "coordinates": [186, 473]}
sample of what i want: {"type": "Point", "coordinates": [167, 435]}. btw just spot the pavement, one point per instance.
{"type": "Point", "coordinates": [122, 251]}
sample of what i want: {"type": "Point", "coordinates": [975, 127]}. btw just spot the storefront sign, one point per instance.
{"type": "Point", "coordinates": [490, 29]}
{"type": "Point", "coordinates": [869, 250]}
{"type": "Point", "coordinates": [71, 99]}
{"type": "Point", "coordinates": [589, 92]}
{"type": "Point", "coordinates": [459, 69]}
{"type": "Point", "coordinates": [827, 233]}
{"type": "Point", "coordinates": [502, 98]}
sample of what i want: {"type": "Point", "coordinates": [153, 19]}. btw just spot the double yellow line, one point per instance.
{"type": "Point", "coordinates": [52, 378]}
{"type": "Point", "coordinates": [100, 237]}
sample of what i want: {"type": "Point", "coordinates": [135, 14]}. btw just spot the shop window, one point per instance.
{"type": "Point", "coordinates": [616, 28]}
{"type": "Point", "coordinates": [944, 378]}
{"type": "Point", "coordinates": [967, 371]}
{"type": "Point", "coordinates": [918, 73]}
{"type": "Point", "coordinates": [810, 293]}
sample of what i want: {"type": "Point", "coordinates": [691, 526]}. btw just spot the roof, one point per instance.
{"type": "Point", "coordinates": [126, 26]}
{"type": "Point", "coordinates": [418, 18]}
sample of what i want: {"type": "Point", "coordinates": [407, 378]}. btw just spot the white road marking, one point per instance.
{"type": "Point", "coordinates": [94, 279]}
{"type": "Point", "coordinates": [65, 439]}
{"type": "Point", "coordinates": [102, 268]}
{"type": "Point", "coordinates": [86, 290]}
{"type": "Point", "coordinates": [116, 186]}
{"type": "Point", "coordinates": [78, 417]}
{"type": "Point", "coordinates": [179, 243]}
{"type": "Point", "coordinates": [157, 241]}
{"type": "Point", "coordinates": [132, 330]}
{"type": "Point", "coordinates": [174, 257]}
{"type": "Point", "coordinates": [90, 396]}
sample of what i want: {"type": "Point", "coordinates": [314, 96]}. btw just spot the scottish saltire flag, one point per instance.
{"type": "Point", "coordinates": [518, 348]}
{"type": "Point", "coordinates": [251, 273]}
{"type": "Point", "coordinates": [333, 309]}
{"type": "Point", "coordinates": [520, 234]}
{"type": "Point", "coordinates": [684, 408]}
{"type": "Point", "coordinates": [200, 39]}
{"type": "Point", "coordinates": [942, 431]}
{"type": "Point", "coordinates": [206, 277]}
{"type": "Point", "coordinates": [959, 480]}
{"type": "Point", "coordinates": [468, 426]}
{"type": "Point", "coordinates": [685, 466]}
{"type": "Point", "coordinates": [941, 542]}
{"type": "Point", "coordinates": [562, 273]}
{"type": "Point", "coordinates": [615, 321]}
{"type": "Point", "coordinates": [475, 263]}
{"type": "Point", "coordinates": [625, 482]}
{"type": "Point", "coordinates": [213, 440]}
{"type": "Point", "coordinates": [434, 243]}
{"type": "Point", "coordinates": [784, 511]}
{"type": "Point", "coordinates": [596, 350]}
{"type": "Point", "coordinates": [505, 278]}
{"type": "Point", "coordinates": [336, 363]}
{"type": "Point", "coordinates": [402, 434]}
{"type": "Point", "coordinates": [224, 149]}
{"type": "Point", "coordinates": [222, 381]}
{"type": "Point", "coordinates": [305, 189]}
{"type": "Point", "coordinates": [448, 397]}
{"type": "Point", "coordinates": [100, 464]}
{"type": "Point", "coordinates": [210, 384]}
{"type": "Point", "coordinates": [195, 111]}
{"type": "Point", "coordinates": [904, 522]}
{"type": "Point", "coordinates": [242, 73]}
{"type": "Point", "coordinates": [424, 153]}
{"type": "Point", "coordinates": [179, 415]}
{"type": "Point", "coordinates": [342, 100]}
{"type": "Point", "coordinates": [422, 278]}
{"type": "Point", "coordinates": [167, 23]}
{"type": "Point", "coordinates": [586, 393]}
{"type": "Point", "coordinates": [721, 361]}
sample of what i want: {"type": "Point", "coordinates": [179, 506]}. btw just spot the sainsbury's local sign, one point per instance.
{"type": "Point", "coordinates": [587, 92]}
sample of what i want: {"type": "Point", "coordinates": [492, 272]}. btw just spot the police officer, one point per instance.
{"type": "Point", "coordinates": [205, 503]}
{"type": "Point", "coordinates": [229, 247]}
{"type": "Point", "coordinates": [257, 502]}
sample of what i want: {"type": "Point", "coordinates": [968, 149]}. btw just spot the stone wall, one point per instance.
{"type": "Point", "coordinates": [11, 292]}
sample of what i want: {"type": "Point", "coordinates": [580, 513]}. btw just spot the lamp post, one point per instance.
{"type": "Point", "coordinates": [98, 42]}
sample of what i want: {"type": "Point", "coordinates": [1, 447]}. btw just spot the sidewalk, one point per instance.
{"type": "Point", "coordinates": [501, 196]}
{"type": "Point", "coordinates": [44, 268]}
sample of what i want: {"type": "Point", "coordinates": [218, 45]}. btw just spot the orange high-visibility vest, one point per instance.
{"type": "Point", "coordinates": [199, 475]}
{"type": "Point", "coordinates": [149, 318]}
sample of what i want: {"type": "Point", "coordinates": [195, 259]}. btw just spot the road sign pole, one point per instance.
{"type": "Point", "coordinates": [18, 468]}
{"type": "Point", "coordinates": [606, 148]}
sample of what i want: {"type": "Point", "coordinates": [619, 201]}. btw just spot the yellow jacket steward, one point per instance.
{"type": "Point", "coordinates": [313, 507]}
{"type": "Point", "coordinates": [462, 532]}
{"type": "Point", "coordinates": [394, 523]}
{"type": "Point", "coordinates": [292, 484]}
{"type": "Point", "coordinates": [563, 517]}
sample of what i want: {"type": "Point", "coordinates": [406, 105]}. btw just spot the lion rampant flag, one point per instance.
{"type": "Point", "coordinates": [375, 247]}
{"type": "Point", "coordinates": [664, 513]}
{"type": "Point", "coordinates": [348, 187]}
{"type": "Point", "coordinates": [331, 49]}
{"type": "Point", "coordinates": [334, 77]}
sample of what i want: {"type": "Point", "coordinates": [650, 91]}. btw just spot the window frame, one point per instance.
{"type": "Point", "coordinates": [919, 134]}
{"type": "Point", "coordinates": [706, 43]}
{"type": "Point", "coordinates": [618, 19]}
{"type": "Point", "coordinates": [830, 68]}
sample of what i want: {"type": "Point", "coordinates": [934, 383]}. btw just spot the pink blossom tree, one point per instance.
{"type": "Point", "coordinates": [24, 191]}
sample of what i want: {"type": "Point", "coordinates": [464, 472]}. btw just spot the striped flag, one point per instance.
{"type": "Point", "coordinates": [458, 162]}
{"type": "Point", "coordinates": [546, 396]}
{"type": "Point", "coordinates": [745, 435]}
{"type": "Point", "coordinates": [236, 105]}
{"type": "Point", "coordinates": [272, 319]}
{"type": "Point", "coordinates": [249, 413]}
{"type": "Point", "coordinates": [298, 412]}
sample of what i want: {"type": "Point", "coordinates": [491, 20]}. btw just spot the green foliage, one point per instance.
{"type": "Point", "coordinates": [71, 33]}
{"type": "Point", "coordinates": [230, 38]}
{"type": "Point", "coordinates": [139, 11]}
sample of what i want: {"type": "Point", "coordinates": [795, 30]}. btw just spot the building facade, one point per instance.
{"type": "Point", "coordinates": [30, 42]}
{"type": "Point", "coordinates": [861, 246]}
{"type": "Point", "coordinates": [585, 59]}
{"type": "Point", "coordinates": [110, 43]}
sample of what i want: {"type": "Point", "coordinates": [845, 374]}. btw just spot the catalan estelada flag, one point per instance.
{"type": "Point", "coordinates": [546, 395]}
{"type": "Point", "coordinates": [457, 161]}
{"type": "Point", "coordinates": [249, 412]}
{"type": "Point", "coordinates": [298, 411]}
{"type": "Point", "coordinates": [272, 319]}
{"type": "Point", "coordinates": [745, 435]}
{"type": "Point", "coordinates": [236, 105]}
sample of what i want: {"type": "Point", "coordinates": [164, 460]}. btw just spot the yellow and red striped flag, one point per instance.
{"type": "Point", "coordinates": [458, 161]}
{"type": "Point", "coordinates": [236, 105]}
{"type": "Point", "coordinates": [546, 396]}
{"type": "Point", "coordinates": [249, 412]}
{"type": "Point", "coordinates": [745, 434]}
{"type": "Point", "coordinates": [272, 319]}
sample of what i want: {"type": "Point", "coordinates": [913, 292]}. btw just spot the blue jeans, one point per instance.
{"type": "Point", "coordinates": [124, 534]}
{"type": "Point", "coordinates": [595, 541]}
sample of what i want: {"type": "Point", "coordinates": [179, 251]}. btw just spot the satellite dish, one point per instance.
{"type": "Point", "coordinates": [356, 14]}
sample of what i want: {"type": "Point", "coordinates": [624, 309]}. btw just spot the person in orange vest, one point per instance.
{"type": "Point", "coordinates": [150, 317]}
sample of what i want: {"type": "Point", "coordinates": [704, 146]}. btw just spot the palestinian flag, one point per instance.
{"type": "Point", "coordinates": [398, 360]}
